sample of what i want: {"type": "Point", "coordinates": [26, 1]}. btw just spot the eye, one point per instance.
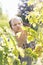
{"type": "Point", "coordinates": [15, 24]}
{"type": "Point", "coordinates": [19, 23]}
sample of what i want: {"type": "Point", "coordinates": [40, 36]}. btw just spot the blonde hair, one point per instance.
{"type": "Point", "coordinates": [17, 18]}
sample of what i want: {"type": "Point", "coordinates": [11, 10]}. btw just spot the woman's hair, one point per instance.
{"type": "Point", "coordinates": [17, 18]}
{"type": "Point", "coordinates": [10, 24]}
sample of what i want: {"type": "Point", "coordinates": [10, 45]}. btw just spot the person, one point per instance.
{"type": "Point", "coordinates": [16, 25]}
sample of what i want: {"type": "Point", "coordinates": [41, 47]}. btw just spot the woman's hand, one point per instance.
{"type": "Point", "coordinates": [21, 39]}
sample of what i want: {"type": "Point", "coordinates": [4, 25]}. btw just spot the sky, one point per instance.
{"type": "Point", "coordinates": [10, 7]}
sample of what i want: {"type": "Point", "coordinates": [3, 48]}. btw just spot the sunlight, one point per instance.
{"type": "Point", "coordinates": [10, 7]}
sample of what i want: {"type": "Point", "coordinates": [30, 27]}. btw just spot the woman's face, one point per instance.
{"type": "Point", "coordinates": [16, 25]}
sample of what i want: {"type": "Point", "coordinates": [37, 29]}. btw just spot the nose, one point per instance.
{"type": "Point", "coordinates": [18, 25]}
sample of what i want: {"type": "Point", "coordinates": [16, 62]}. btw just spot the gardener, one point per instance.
{"type": "Point", "coordinates": [16, 26]}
